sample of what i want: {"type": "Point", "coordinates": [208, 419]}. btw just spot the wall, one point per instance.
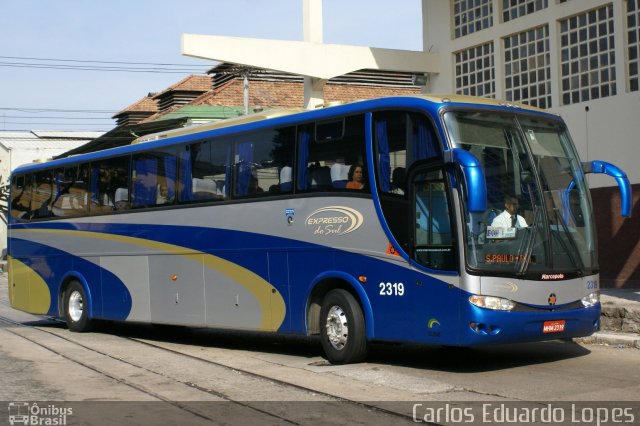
{"type": "Point", "coordinates": [618, 243]}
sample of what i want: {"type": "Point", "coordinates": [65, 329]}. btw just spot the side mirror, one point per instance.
{"type": "Point", "coordinates": [626, 197]}
{"type": "Point", "coordinates": [473, 176]}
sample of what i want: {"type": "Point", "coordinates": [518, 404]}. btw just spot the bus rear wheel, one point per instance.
{"type": "Point", "coordinates": [342, 328]}
{"type": "Point", "coordinates": [76, 309]}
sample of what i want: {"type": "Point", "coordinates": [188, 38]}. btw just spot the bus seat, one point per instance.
{"type": "Point", "coordinates": [220, 187]}
{"type": "Point", "coordinates": [66, 202]}
{"type": "Point", "coordinates": [204, 187]}
{"type": "Point", "coordinates": [122, 194]}
{"type": "Point", "coordinates": [286, 183]}
{"type": "Point", "coordinates": [339, 175]}
{"type": "Point", "coordinates": [320, 178]}
{"type": "Point", "coordinates": [121, 199]}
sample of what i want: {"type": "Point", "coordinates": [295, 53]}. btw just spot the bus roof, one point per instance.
{"type": "Point", "coordinates": [263, 115]}
{"type": "Point", "coordinates": [273, 113]}
{"type": "Point", "coordinates": [436, 102]}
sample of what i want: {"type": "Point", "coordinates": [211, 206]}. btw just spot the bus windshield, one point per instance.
{"type": "Point", "coordinates": [536, 225]}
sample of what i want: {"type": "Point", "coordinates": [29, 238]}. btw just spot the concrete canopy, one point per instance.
{"type": "Point", "coordinates": [317, 60]}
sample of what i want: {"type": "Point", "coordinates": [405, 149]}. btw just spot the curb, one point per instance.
{"type": "Point", "coordinates": [605, 338]}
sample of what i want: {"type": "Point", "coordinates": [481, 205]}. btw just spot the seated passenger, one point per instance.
{"type": "Point", "coordinates": [254, 188]}
{"type": "Point", "coordinates": [509, 218]}
{"type": "Point", "coordinates": [356, 177]}
{"type": "Point", "coordinates": [398, 180]}
{"type": "Point", "coordinates": [163, 196]}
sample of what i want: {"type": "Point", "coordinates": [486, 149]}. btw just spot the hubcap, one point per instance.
{"type": "Point", "coordinates": [76, 306]}
{"type": "Point", "coordinates": [337, 327]}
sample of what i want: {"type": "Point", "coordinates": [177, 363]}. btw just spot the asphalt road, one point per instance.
{"type": "Point", "coordinates": [143, 374]}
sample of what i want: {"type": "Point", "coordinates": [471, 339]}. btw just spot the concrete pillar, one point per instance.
{"type": "Point", "coordinates": [312, 30]}
{"type": "Point", "coordinates": [312, 20]}
{"type": "Point", "coordinates": [313, 92]}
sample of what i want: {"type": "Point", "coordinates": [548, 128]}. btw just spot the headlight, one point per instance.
{"type": "Point", "coordinates": [591, 300]}
{"type": "Point", "coordinates": [492, 302]}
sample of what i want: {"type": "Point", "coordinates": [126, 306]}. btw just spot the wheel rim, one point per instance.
{"type": "Point", "coordinates": [337, 327]}
{"type": "Point", "coordinates": [76, 306]}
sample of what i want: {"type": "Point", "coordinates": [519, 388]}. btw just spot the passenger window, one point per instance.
{"type": "Point", "coordinates": [110, 185]}
{"type": "Point", "coordinates": [20, 198]}
{"type": "Point", "coordinates": [71, 188]}
{"type": "Point", "coordinates": [401, 138]}
{"type": "Point", "coordinates": [154, 179]}
{"type": "Point", "coordinates": [332, 155]}
{"type": "Point", "coordinates": [204, 171]}
{"type": "Point", "coordinates": [42, 195]}
{"type": "Point", "coordinates": [263, 163]}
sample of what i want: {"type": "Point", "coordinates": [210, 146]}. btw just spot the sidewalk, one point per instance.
{"type": "Point", "coordinates": [620, 319]}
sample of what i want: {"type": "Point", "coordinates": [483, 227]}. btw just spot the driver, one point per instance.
{"type": "Point", "coordinates": [509, 218]}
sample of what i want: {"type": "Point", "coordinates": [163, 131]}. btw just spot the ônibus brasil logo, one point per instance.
{"type": "Point", "coordinates": [334, 220]}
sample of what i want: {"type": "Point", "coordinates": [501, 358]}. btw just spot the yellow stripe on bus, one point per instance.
{"type": "Point", "coordinates": [27, 290]}
{"type": "Point", "coordinates": [269, 298]}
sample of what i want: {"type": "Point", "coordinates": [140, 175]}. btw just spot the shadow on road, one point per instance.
{"type": "Point", "coordinates": [449, 359]}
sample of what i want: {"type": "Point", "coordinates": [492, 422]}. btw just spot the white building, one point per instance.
{"type": "Point", "coordinates": [22, 147]}
{"type": "Point", "coordinates": [578, 58]}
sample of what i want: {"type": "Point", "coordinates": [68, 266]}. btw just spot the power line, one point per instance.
{"type": "Point", "coordinates": [106, 66]}
{"type": "Point", "coordinates": [97, 68]}
{"type": "Point", "coordinates": [89, 111]}
{"type": "Point", "coordinates": [21, 117]}
{"type": "Point", "coordinates": [102, 62]}
{"type": "Point", "coordinates": [50, 124]}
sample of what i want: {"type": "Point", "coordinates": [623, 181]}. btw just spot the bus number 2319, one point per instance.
{"type": "Point", "coordinates": [391, 289]}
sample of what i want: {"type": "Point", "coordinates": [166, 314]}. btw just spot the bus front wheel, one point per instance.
{"type": "Point", "coordinates": [76, 310]}
{"type": "Point", "coordinates": [342, 328]}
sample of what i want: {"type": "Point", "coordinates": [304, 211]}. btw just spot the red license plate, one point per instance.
{"type": "Point", "coordinates": [553, 326]}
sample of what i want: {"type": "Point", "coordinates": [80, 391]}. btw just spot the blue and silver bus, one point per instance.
{"type": "Point", "coordinates": [379, 220]}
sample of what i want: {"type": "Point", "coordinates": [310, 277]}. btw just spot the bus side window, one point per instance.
{"type": "Point", "coordinates": [20, 198]}
{"type": "Point", "coordinates": [327, 152]}
{"type": "Point", "coordinates": [401, 139]}
{"type": "Point", "coordinates": [154, 176]}
{"type": "Point", "coordinates": [108, 179]}
{"type": "Point", "coordinates": [71, 186]}
{"type": "Point", "coordinates": [205, 171]}
{"type": "Point", "coordinates": [42, 196]}
{"type": "Point", "coordinates": [263, 163]}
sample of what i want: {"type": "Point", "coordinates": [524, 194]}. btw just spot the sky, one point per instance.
{"type": "Point", "coordinates": [44, 43]}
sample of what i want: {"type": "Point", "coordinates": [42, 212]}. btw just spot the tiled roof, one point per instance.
{"type": "Point", "coordinates": [267, 94]}
{"type": "Point", "coordinates": [280, 94]}
{"type": "Point", "coordinates": [146, 104]}
{"type": "Point", "coordinates": [191, 83]}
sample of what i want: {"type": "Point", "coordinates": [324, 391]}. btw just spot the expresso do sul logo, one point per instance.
{"type": "Point", "coordinates": [334, 220]}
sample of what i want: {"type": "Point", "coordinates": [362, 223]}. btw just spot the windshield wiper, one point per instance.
{"type": "Point", "coordinates": [574, 246]}
{"type": "Point", "coordinates": [530, 240]}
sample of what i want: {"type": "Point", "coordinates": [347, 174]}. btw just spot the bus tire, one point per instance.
{"type": "Point", "coordinates": [76, 308]}
{"type": "Point", "coordinates": [342, 328]}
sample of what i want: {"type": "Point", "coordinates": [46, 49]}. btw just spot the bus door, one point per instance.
{"type": "Point", "coordinates": [433, 242]}
{"type": "Point", "coordinates": [433, 248]}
